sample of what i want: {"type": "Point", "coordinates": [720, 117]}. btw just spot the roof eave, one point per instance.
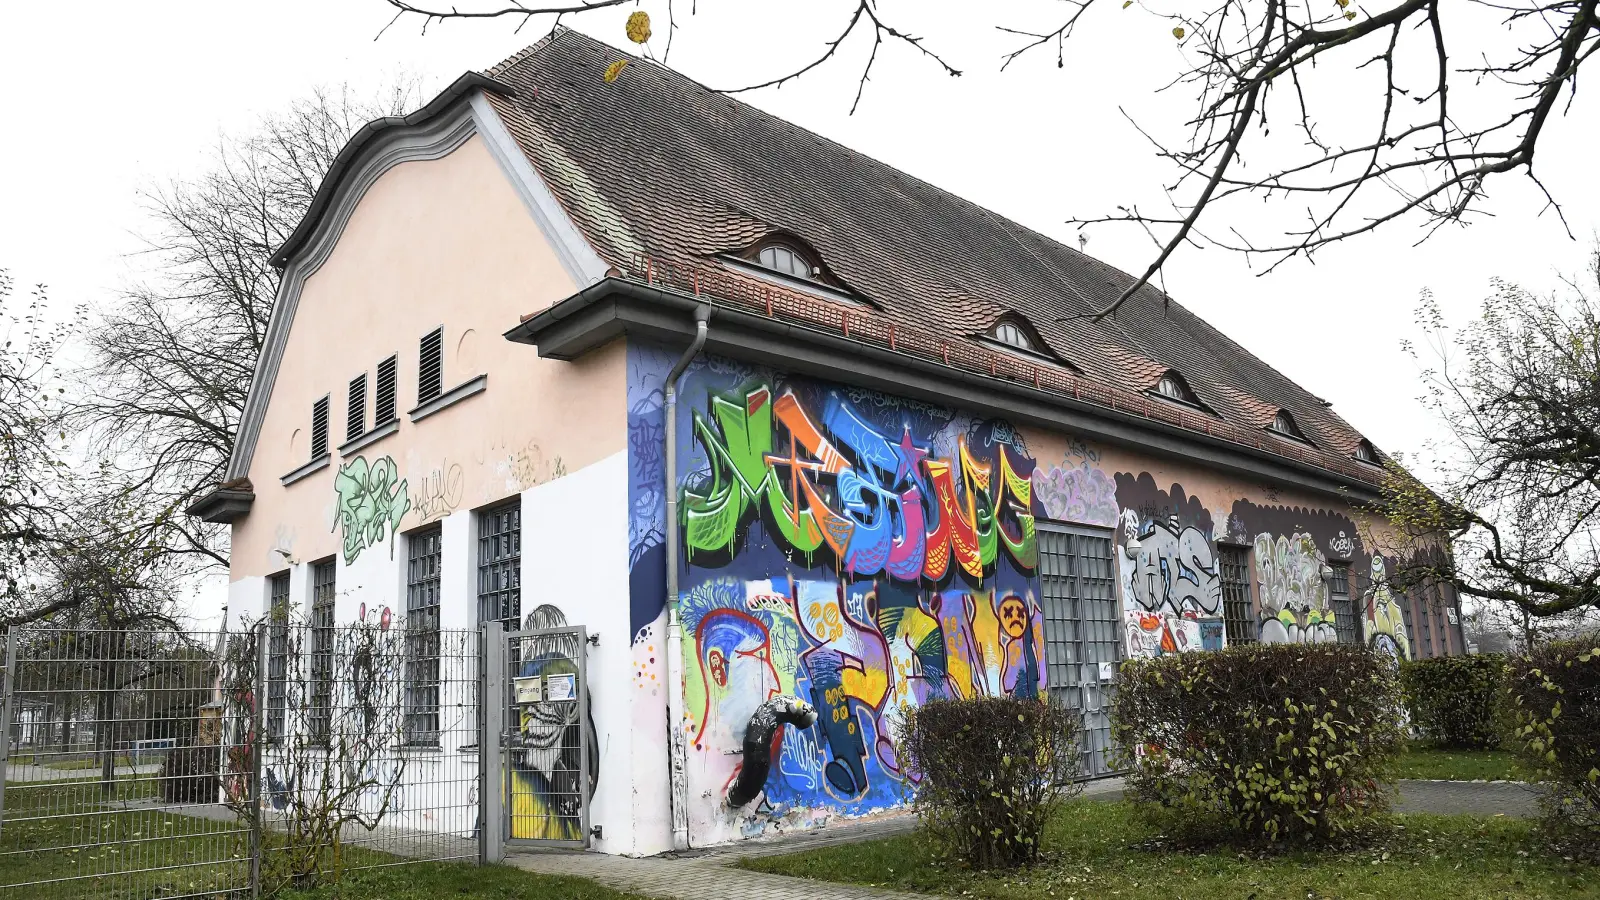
{"type": "Point", "coordinates": [616, 307]}
{"type": "Point", "coordinates": [223, 506]}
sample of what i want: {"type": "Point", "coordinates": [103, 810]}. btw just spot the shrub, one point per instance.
{"type": "Point", "coordinates": [993, 771]}
{"type": "Point", "coordinates": [1553, 711]}
{"type": "Point", "coordinates": [1452, 698]}
{"type": "Point", "coordinates": [1259, 743]}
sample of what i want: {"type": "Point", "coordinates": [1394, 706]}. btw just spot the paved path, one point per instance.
{"type": "Point", "coordinates": [706, 874]}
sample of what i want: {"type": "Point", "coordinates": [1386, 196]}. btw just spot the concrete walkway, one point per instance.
{"type": "Point", "coordinates": [708, 874]}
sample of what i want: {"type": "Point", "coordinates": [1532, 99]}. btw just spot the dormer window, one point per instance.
{"type": "Point", "coordinates": [1012, 335]}
{"type": "Point", "coordinates": [1173, 387]}
{"type": "Point", "coordinates": [1283, 424]}
{"type": "Point", "coordinates": [1367, 453]}
{"type": "Point", "coordinates": [785, 260]}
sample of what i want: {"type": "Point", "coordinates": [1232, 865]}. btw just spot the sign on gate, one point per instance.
{"type": "Point", "coordinates": [548, 738]}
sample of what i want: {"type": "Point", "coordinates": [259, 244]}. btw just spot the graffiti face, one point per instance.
{"type": "Point", "coordinates": [1294, 599]}
{"type": "Point", "coordinates": [1383, 624]}
{"type": "Point", "coordinates": [1014, 617]}
{"type": "Point", "coordinates": [372, 499]}
{"type": "Point", "coordinates": [547, 781]}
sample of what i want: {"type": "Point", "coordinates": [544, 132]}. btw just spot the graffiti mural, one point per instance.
{"type": "Point", "coordinates": [1294, 598]}
{"type": "Point", "coordinates": [1171, 581]}
{"type": "Point", "coordinates": [1079, 494]}
{"type": "Point", "coordinates": [1172, 591]}
{"type": "Point", "coordinates": [548, 784]}
{"type": "Point", "coordinates": [1383, 625]}
{"type": "Point", "coordinates": [372, 498]}
{"type": "Point", "coordinates": [860, 553]}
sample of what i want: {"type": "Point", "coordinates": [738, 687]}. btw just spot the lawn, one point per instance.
{"type": "Point", "coordinates": [457, 881]}
{"type": "Point", "coordinates": [1423, 761]}
{"type": "Point", "coordinates": [1100, 850]}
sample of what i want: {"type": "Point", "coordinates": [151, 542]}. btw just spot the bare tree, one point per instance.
{"type": "Point", "coordinates": [1435, 116]}
{"type": "Point", "coordinates": [1519, 393]}
{"type": "Point", "coordinates": [172, 361]}
{"type": "Point", "coordinates": [32, 453]}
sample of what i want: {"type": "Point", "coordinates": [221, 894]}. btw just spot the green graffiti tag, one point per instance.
{"type": "Point", "coordinates": [372, 500]}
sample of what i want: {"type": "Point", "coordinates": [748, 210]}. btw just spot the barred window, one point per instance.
{"type": "Point", "coordinates": [500, 564]}
{"type": "Point", "coordinates": [322, 629]}
{"type": "Point", "coordinates": [277, 654]}
{"type": "Point", "coordinates": [1344, 612]}
{"type": "Point", "coordinates": [425, 553]}
{"type": "Point", "coordinates": [1240, 625]}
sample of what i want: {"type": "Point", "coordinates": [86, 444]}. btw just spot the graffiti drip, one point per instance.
{"type": "Point", "coordinates": [759, 737]}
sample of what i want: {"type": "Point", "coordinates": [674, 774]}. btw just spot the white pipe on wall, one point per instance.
{"type": "Point", "coordinates": [675, 740]}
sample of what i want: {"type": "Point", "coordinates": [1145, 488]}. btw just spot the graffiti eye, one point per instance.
{"type": "Point", "coordinates": [719, 667]}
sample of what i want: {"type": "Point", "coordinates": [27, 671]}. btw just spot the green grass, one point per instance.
{"type": "Point", "coordinates": [1100, 850]}
{"type": "Point", "coordinates": [456, 881]}
{"type": "Point", "coordinates": [1422, 761]}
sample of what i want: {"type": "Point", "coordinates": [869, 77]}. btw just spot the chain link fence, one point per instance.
{"type": "Point", "coordinates": [152, 763]}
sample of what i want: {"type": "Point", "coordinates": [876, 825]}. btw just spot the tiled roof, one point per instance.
{"type": "Point", "coordinates": [654, 166]}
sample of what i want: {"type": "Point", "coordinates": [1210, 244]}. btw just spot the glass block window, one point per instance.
{"type": "Point", "coordinates": [1344, 611]}
{"type": "Point", "coordinates": [277, 654]}
{"type": "Point", "coordinates": [500, 564]}
{"type": "Point", "coordinates": [424, 555]}
{"type": "Point", "coordinates": [323, 592]}
{"type": "Point", "coordinates": [1237, 618]}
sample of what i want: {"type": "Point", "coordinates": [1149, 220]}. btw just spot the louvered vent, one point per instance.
{"type": "Point", "coordinates": [383, 408]}
{"type": "Point", "coordinates": [319, 428]}
{"type": "Point", "coordinates": [355, 423]}
{"type": "Point", "coordinates": [430, 367]}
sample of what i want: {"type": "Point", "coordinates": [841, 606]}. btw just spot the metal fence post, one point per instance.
{"type": "Point", "coordinates": [259, 738]}
{"type": "Point", "coordinates": [491, 726]}
{"type": "Point", "coordinates": [5, 717]}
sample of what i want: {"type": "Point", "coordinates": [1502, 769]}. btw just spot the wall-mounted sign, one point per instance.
{"type": "Point", "coordinates": [1450, 613]}
{"type": "Point", "coordinates": [528, 690]}
{"type": "Point", "coordinates": [561, 687]}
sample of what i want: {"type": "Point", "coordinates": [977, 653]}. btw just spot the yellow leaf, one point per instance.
{"type": "Point", "coordinates": [615, 69]}
{"type": "Point", "coordinates": [1126, 3]}
{"type": "Point", "coordinates": [1350, 14]}
{"type": "Point", "coordinates": [639, 27]}
{"type": "Point", "coordinates": [1178, 32]}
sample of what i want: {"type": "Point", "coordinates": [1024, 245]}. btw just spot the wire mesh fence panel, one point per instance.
{"type": "Point", "coordinates": [144, 764]}
{"type": "Point", "coordinates": [115, 757]}
{"type": "Point", "coordinates": [552, 762]}
{"type": "Point", "coordinates": [375, 762]}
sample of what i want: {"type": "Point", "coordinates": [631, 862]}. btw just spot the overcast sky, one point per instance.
{"type": "Point", "coordinates": [106, 98]}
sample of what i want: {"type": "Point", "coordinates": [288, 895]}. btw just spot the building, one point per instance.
{"type": "Point", "coordinates": [903, 462]}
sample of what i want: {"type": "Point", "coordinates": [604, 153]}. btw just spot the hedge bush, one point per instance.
{"type": "Point", "coordinates": [1452, 699]}
{"type": "Point", "coordinates": [1553, 710]}
{"type": "Point", "coordinates": [1260, 743]}
{"type": "Point", "coordinates": [992, 773]}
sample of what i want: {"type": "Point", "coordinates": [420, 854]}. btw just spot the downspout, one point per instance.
{"type": "Point", "coordinates": [675, 718]}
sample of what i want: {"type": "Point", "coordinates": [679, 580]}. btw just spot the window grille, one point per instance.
{"type": "Point", "coordinates": [277, 653]}
{"type": "Point", "coordinates": [425, 554]}
{"type": "Point", "coordinates": [323, 592]}
{"type": "Point", "coordinates": [1344, 612]}
{"type": "Point", "coordinates": [356, 415]}
{"type": "Point", "coordinates": [500, 564]}
{"type": "Point", "coordinates": [383, 408]}
{"type": "Point", "coordinates": [430, 367]}
{"type": "Point", "coordinates": [1237, 619]}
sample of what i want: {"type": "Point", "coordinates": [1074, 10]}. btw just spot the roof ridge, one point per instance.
{"type": "Point", "coordinates": [515, 59]}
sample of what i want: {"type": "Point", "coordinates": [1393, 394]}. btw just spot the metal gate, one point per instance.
{"type": "Point", "coordinates": [1083, 637]}
{"type": "Point", "coordinates": [548, 738]}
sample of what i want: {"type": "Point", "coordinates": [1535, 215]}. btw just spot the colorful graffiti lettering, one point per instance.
{"type": "Point", "coordinates": [372, 500]}
{"type": "Point", "coordinates": [839, 485]}
{"type": "Point", "coordinates": [1171, 588]}
{"type": "Point", "coordinates": [1294, 598]}
{"type": "Point", "coordinates": [1383, 625]}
